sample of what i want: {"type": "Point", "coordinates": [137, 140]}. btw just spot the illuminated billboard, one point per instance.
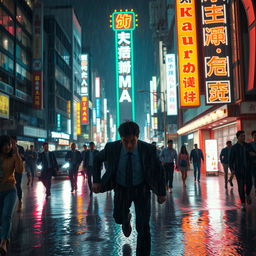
{"type": "Point", "coordinates": [171, 90]}
{"type": "Point", "coordinates": [188, 54]}
{"type": "Point", "coordinates": [123, 23]}
{"type": "Point", "coordinates": [216, 52]}
{"type": "Point", "coordinates": [4, 106]}
{"type": "Point", "coordinates": [84, 74]}
{"type": "Point", "coordinates": [85, 110]}
{"type": "Point", "coordinates": [78, 118]}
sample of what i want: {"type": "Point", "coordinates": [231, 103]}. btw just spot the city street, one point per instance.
{"type": "Point", "coordinates": [202, 219]}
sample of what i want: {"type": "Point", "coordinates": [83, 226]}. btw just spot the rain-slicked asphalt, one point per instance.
{"type": "Point", "coordinates": [201, 219]}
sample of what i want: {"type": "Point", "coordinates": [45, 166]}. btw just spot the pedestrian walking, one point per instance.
{"type": "Point", "coordinates": [183, 163]}
{"type": "Point", "coordinates": [49, 167]}
{"type": "Point", "coordinates": [240, 164]}
{"type": "Point", "coordinates": [158, 151]}
{"type": "Point", "coordinates": [252, 152]}
{"type": "Point", "coordinates": [18, 176]}
{"type": "Point", "coordinates": [168, 156]}
{"type": "Point", "coordinates": [196, 155]}
{"type": "Point", "coordinates": [10, 162]}
{"type": "Point", "coordinates": [224, 159]}
{"type": "Point", "coordinates": [88, 163]}
{"type": "Point", "coordinates": [30, 164]}
{"type": "Point", "coordinates": [83, 153]}
{"type": "Point", "coordinates": [74, 157]}
{"type": "Point", "coordinates": [133, 169]}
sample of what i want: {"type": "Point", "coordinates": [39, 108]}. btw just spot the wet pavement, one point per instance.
{"type": "Point", "coordinates": [201, 219]}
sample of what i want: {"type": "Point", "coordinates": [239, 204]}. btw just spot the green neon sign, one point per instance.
{"type": "Point", "coordinates": [123, 23]}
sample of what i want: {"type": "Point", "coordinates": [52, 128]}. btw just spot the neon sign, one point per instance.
{"type": "Point", "coordinates": [188, 54]}
{"type": "Point", "coordinates": [216, 52]}
{"type": "Point", "coordinates": [123, 23]}
{"type": "Point", "coordinates": [171, 94]}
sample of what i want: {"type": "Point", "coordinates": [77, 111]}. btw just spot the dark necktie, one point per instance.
{"type": "Point", "coordinates": [128, 171]}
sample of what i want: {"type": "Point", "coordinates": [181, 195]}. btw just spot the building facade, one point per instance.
{"type": "Point", "coordinates": [16, 50]}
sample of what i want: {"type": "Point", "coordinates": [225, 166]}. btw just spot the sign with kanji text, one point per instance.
{"type": "Point", "coordinates": [85, 110]}
{"type": "Point", "coordinates": [171, 89]}
{"type": "Point", "coordinates": [123, 23]}
{"type": "Point", "coordinates": [188, 54]}
{"type": "Point", "coordinates": [216, 51]}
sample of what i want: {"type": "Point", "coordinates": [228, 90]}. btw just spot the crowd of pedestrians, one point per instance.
{"type": "Point", "coordinates": [132, 169]}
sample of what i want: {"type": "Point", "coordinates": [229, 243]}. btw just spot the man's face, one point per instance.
{"type": "Point", "coordinates": [170, 144]}
{"type": "Point", "coordinates": [31, 148]}
{"type": "Point", "coordinates": [46, 147]}
{"type": "Point", "coordinates": [85, 147]}
{"type": "Point", "coordinates": [229, 144]}
{"type": "Point", "coordinates": [129, 142]}
{"type": "Point", "coordinates": [92, 146]}
{"type": "Point", "coordinates": [73, 146]}
{"type": "Point", "coordinates": [195, 146]}
{"type": "Point", "coordinates": [6, 148]}
{"type": "Point", "coordinates": [254, 137]}
{"type": "Point", "coordinates": [241, 138]}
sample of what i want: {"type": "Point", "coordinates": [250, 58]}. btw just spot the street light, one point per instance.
{"type": "Point", "coordinates": [164, 101]}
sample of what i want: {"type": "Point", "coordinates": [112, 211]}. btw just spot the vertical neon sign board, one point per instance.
{"type": "Point", "coordinates": [188, 54]}
{"type": "Point", "coordinates": [216, 51]}
{"type": "Point", "coordinates": [123, 23]}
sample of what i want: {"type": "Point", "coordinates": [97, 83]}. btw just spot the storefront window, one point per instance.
{"type": "Point", "coordinates": [6, 21]}
{"type": "Point", "coordinates": [23, 20]}
{"type": "Point", "coordinates": [224, 134]}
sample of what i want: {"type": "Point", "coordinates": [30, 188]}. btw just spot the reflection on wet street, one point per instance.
{"type": "Point", "coordinates": [201, 219]}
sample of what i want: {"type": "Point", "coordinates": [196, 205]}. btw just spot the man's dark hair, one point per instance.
{"type": "Point", "coordinates": [5, 139]}
{"type": "Point", "coordinates": [129, 128]}
{"type": "Point", "coordinates": [239, 133]}
{"type": "Point", "coordinates": [45, 143]}
{"type": "Point", "coordinates": [14, 137]}
{"type": "Point", "coordinates": [91, 143]}
{"type": "Point", "coordinates": [253, 132]}
{"type": "Point", "coordinates": [228, 142]}
{"type": "Point", "coordinates": [170, 141]}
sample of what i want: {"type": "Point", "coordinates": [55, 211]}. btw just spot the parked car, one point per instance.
{"type": "Point", "coordinates": [63, 165]}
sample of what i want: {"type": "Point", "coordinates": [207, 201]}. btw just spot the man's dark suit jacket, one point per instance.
{"type": "Point", "coordinates": [87, 157]}
{"type": "Point", "coordinates": [78, 159]}
{"type": "Point", "coordinates": [224, 157]}
{"type": "Point", "coordinates": [43, 160]}
{"type": "Point", "coordinates": [196, 158]}
{"type": "Point", "coordinates": [236, 159]}
{"type": "Point", "coordinates": [110, 155]}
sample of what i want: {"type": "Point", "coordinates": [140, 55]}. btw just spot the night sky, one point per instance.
{"type": "Point", "coordinates": [99, 38]}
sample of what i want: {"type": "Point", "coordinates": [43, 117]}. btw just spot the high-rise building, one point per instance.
{"type": "Point", "coordinates": [17, 117]}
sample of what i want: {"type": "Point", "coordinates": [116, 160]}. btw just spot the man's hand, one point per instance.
{"type": "Point", "coordinates": [161, 199]}
{"type": "Point", "coordinates": [96, 187]}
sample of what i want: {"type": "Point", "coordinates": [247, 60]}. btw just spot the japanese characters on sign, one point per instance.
{"type": "Point", "coordinates": [84, 74]}
{"type": "Point", "coordinates": [37, 89]}
{"type": "Point", "coordinates": [216, 51]}
{"type": "Point", "coordinates": [78, 118]}
{"type": "Point", "coordinates": [124, 20]}
{"type": "Point", "coordinates": [171, 93]}
{"type": "Point", "coordinates": [84, 110]}
{"type": "Point", "coordinates": [37, 72]}
{"type": "Point", "coordinates": [188, 55]}
{"type": "Point", "coordinates": [123, 24]}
